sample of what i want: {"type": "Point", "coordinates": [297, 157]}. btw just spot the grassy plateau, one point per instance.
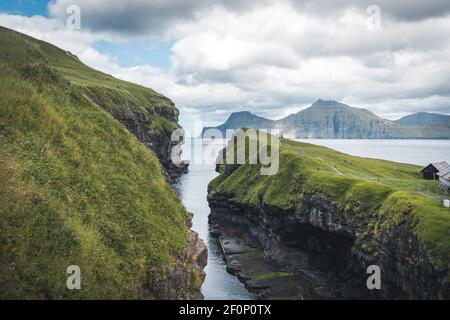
{"type": "Point", "coordinates": [378, 191]}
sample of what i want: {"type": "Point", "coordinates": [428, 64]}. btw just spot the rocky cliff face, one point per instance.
{"type": "Point", "coordinates": [334, 120]}
{"type": "Point", "coordinates": [333, 245]}
{"type": "Point", "coordinates": [317, 235]}
{"type": "Point", "coordinates": [140, 120]}
{"type": "Point", "coordinates": [183, 280]}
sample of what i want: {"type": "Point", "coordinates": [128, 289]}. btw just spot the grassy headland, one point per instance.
{"type": "Point", "coordinates": [377, 191]}
{"type": "Point", "coordinates": [77, 188]}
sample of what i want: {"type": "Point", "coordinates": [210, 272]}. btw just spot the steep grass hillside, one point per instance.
{"type": "Point", "coordinates": [377, 192]}
{"type": "Point", "coordinates": [76, 187]}
{"type": "Point", "coordinates": [150, 116]}
{"type": "Point", "coordinates": [113, 94]}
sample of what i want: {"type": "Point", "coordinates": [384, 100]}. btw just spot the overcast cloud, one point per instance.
{"type": "Point", "coordinates": [272, 58]}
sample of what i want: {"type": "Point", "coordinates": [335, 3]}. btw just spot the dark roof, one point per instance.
{"type": "Point", "coordinates": [439, 166]}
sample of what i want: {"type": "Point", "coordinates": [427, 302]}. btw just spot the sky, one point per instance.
{"type": "Point", "coordinates": [214, 57]}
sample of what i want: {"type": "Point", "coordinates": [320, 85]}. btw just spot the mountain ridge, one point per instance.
{"type": "Point", "coordinates": [241, 119]}
{"type": "Point", "coordinates": [329, 119]}
{"type": "Point", "coordinates": [421, 118]}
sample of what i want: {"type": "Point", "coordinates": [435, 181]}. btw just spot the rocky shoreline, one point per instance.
{"type": "Point", "coordinates": [183, 280]}
{"type": "Point", "coordinates": [314, 246]}
{"type": "Point", "coordinates": [260, 275]}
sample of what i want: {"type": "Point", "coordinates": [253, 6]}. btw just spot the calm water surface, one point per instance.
{"type": "Point", "coordinates": [419, 152]}
{"type": "Point", "coordinates": [192, 188]}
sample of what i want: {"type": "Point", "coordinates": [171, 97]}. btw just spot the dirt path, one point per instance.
{"type": "Point", "coordinates": [334, 168]}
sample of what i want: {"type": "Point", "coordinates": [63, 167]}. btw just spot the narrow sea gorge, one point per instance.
{"type": "Point", "coordinates": [192, 189]}
{"type": "Point", "coordinates": [213, 159]}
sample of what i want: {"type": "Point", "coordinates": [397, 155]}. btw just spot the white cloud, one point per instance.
{"type": "Point", "coordinates": [282, 57]}
{"type": "Point", "coordinates": [271, 59]}
{"type": "Point", "coordinates": [53, 31]}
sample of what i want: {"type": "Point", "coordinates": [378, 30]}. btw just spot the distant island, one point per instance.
{"type": "Point", "coordinates": [335, 120]}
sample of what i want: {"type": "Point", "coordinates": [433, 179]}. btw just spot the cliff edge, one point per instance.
{"type": "Point", "coordinates": [328, 216]}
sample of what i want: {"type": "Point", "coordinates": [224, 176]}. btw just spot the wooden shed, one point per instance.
{"type": "Point", "coordinates": [430, 172]}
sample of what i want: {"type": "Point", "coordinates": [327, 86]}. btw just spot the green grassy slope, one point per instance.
{"type": "Point", "coordinates": [76, 188]}
{"type": "Point", "coordinates": [376, 190]}
{"type": "Point", "coordinates": [110, 93]}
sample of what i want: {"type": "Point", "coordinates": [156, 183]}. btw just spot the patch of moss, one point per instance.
{"type": "Point", "coordinates": [195, 278]}
{"type": "Point", "coordinates": [272, 275]}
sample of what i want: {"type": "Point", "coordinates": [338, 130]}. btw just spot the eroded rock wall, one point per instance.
{"type": "Point", "coordinates": [317, 234]}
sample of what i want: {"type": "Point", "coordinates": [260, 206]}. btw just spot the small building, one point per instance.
{"type": "Point", "coordinates": [431, 171]}
{"type": "Point", "coordinates": [444, 178]}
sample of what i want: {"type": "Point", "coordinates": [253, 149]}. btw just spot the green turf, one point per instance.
{"type": "Point", "coordinates": [76, 188]}
{"type": "Point", "coordinates": [111, 93]}
{"type": "Point", "coordinates": [381, 192]}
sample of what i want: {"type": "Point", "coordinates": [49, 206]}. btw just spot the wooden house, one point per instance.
{"type": "Point", "coordinates": [430, 172]}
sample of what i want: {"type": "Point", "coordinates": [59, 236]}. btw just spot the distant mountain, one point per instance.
{"type": "Point", "coordinates": [424, 119]}
{"type": "Point", "coordinates": [335, 120]}
{"type": "Point", "coordinates": [237, 120]}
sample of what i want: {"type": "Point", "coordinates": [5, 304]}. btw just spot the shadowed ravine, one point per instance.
{"type": "Point", "coordinates": [192, 189]}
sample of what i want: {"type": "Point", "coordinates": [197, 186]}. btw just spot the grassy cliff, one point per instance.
{"type": "Point", "coordinates": [379, 193]}
{"type": "Point", "coordinates": [76, 187]}
{"type": "Point", "coordinates": [110, 93]}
